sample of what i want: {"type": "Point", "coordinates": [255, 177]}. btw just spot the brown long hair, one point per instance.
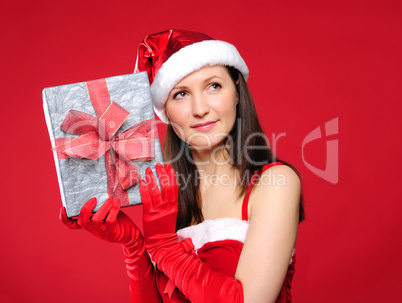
{"type": "Point", "coordinates": [246, 128]}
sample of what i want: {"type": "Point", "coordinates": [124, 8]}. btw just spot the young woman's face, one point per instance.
{"type": "Point", "coordinates": [202, 107]}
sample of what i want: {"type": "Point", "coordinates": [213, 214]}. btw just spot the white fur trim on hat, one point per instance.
{"type": "Point", "coordinates": [187, 60]}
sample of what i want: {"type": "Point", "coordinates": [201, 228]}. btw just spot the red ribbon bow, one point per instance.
{"type": "Point", "coordinates": [170, 285]}
{"type": "Point", "coordinates": [97, 137]}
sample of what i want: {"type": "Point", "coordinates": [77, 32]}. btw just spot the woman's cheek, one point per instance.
{"type": "Point", "coordinates": [175, 111]}
{"type": "Point", "coordinates": [179, 125]}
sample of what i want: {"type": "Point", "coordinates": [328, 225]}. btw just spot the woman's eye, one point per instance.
{"type": "Point", "coordinates": [215, 86]}
{"type": "Point", "coordinates": [179, 95]}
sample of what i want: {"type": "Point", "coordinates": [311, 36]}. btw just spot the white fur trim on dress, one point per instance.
{"type": "Point", "coordinates": [187, 60]}
{"type": "Point", "coordinates": [217, 230]}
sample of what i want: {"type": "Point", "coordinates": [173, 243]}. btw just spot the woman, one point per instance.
{"type": "Point", "coordinates": [229, 236]}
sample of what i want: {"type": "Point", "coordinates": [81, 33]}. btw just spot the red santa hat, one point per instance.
{"type": "Point", "coordinates": [171, 55]}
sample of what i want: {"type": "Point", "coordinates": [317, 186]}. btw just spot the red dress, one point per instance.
{"type": "Point", "coordinates": [218, 244]}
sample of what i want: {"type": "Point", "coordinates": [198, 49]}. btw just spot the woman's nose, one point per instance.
{"type": "Point", "coordinates": [200, 105]}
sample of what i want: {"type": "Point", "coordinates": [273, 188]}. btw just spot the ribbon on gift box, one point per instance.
{"type": "Point", "coordinates": [98, 136]}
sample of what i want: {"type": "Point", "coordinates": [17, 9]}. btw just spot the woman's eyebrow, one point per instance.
{"type": "Point", "coordinates": [210, 78]}
{"type": "Point", "coordinates": [205, 80]}
{"type": "Point", "coordinates": [180, 87]}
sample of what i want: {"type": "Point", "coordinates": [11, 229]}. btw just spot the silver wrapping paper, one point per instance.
{"type": "Point", "coordinates": [81, 179]}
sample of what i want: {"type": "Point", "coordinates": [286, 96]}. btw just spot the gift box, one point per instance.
{"type": "Point", "coordinates": [104, 136]}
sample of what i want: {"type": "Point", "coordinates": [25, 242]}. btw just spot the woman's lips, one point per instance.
{"type": "Point", "coordinates": [204, 126]}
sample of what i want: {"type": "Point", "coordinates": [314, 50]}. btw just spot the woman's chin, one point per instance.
{"type": "Point", "coordinates": [211, 147]}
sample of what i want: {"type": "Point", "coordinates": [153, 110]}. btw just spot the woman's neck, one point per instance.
{"type": "Point", "coordinates": [212, 162]}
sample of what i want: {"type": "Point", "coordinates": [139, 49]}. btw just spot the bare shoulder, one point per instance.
{"type": "Point", "coordinates": [271, 235]}
{"type": "Point", "coordinates": [278, 176]}
{"type": "Point", "coordinates": [279, 185]}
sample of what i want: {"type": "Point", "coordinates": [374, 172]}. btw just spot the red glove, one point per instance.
{"type": "Point", "coordinates": [195, 280]}
{"type": "Point", "coordinates": [108, 223]}
{"type": "Point", "coordinates": [111, 224]}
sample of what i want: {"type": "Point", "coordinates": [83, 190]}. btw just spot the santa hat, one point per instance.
{"type": "Point", "coordinates": [171, 55]}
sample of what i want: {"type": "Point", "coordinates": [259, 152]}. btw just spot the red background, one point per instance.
{"type": "Point", "coordinates": [310, 62]}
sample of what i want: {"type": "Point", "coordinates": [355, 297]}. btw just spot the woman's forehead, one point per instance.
{"type": "Point", "coordinates": [203, 74]}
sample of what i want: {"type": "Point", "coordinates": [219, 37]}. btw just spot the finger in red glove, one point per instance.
{"type": "Point", "coordinates": [98, 220]}
{"type": "Point", "coordinates": [154, 192]}
{"type": "Point", "coordinates": [70, 223]}
{"type": "Point", "coordinates": [84, 218]}
{"type": "Point", "coordinates": [167, 179]}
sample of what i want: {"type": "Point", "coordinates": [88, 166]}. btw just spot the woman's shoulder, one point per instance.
{"type": "Point", "coordinates": [276, 186]}
{"type": "Point", "coordinates": [277, 174]}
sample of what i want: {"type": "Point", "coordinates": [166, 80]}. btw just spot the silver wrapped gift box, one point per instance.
{"type": "Point", "coordinates": [113, 117]}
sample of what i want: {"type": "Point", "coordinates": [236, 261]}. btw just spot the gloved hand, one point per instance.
{"type": "Point", "coordinates": [111, 224]}
{"type": "Point", "coordinates": [160, 220]}
{"type": "Point", "coordinates": [108, 223]}
{"type": "Point", "coordinates": [195, 280]}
